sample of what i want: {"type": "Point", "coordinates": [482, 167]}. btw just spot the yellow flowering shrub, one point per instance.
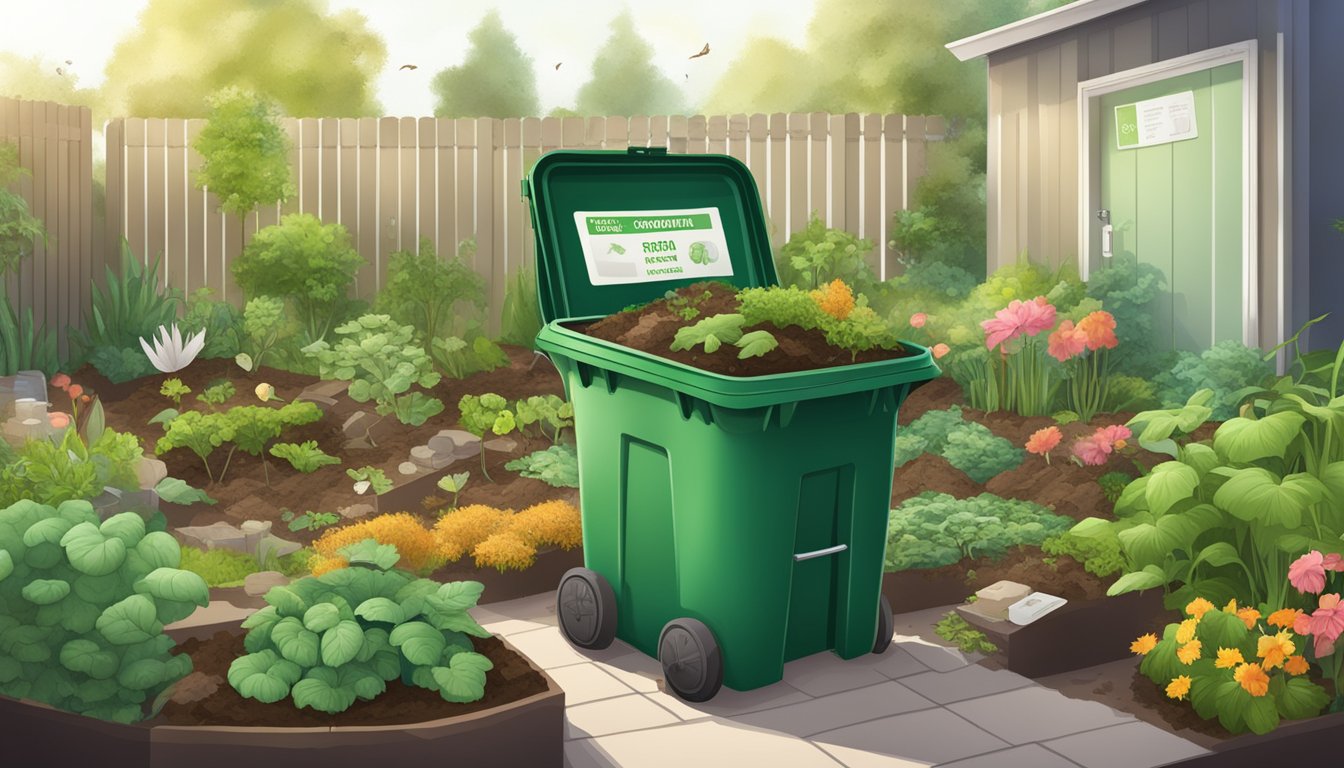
{"type": "Point", "coordinates": [835, 299]}
{"type": "Point", "coordinates": [557, 523]}
{"type": "Point", "coordinates": [504, 552]}
{"type": "Point", "coordinates": [414, 542]}
{"type": "Point", "coordinates": [461, 530]}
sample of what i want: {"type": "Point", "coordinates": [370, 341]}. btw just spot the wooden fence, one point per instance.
{"type": "Point", "coordinates": [55, 144]}
{"type": "Point", "coordinates": [391, 181]}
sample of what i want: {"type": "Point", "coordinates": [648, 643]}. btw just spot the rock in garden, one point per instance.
{"type": "Point", "coordinates": [254, 531]}
{"type": "Point", "coordinates": [24, 384]}
{"type": "Point", "coordinates": [358, 424]}
{"type": "Point", "coordinates": [220, 535]}
{"type": "Point", "coordinates": [425, 456]}
{"type": "Point", "coordinates": [450, 440]}
{"type": "Point", "coordinates": [148, 472]}
{"type": "Point", "coordinates": [328, 390]}
{"type": "Point", "coordinates": [274, 545]}
{"type": "Point", "coordinates": [259, 583]}
{"type": "Point", "coordinates": [408, 468]}
{"type": "Point", "coordinates": [502, 444]}
{"type": "Point", "coordinates": [321, 400]}
{"type": "Point", "coordinates": [194, 687]}
{"type": "Point", "coordinates": [355, 510]}
{"type": "Point", "coordinates": [107, 503]}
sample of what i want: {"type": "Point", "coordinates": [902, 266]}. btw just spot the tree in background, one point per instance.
{"type": "Point", "coordinates": [31, 78]}
{"type": "Point", "coordinates": [625, 81]}
{"type": "Point", "coordinates": [495, 80]}
{"type": "Point", "coordinates": [245, 153]}
{"type": "Point", "coordinates": [310, 62]}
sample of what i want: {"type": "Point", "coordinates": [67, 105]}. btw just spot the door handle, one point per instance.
{"type": "Point", "coordinates": [838, 548]}
{"type": "Point", "coordinates": [1107, 238]}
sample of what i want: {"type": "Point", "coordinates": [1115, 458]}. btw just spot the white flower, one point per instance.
{"type": "Point", "coordinates": [169, 354]}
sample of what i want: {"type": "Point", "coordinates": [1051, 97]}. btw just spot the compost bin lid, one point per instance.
{"type": "Point", "coordinates": [617, 228]}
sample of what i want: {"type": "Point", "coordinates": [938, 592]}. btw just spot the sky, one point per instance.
{"type": "Point", "coordinates": [432, 34]}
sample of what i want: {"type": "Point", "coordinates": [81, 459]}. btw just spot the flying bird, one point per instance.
{"type": "Point", "coordinates": [67, 61]}
{"type": "Point", "coordinates": [558, 63]}
{"type": "Point", "coordinates": [407, 66]}
{"type": "Point", "coordinates": [703, 52]}
{"type": "Point", "coordinates": [60, 72]}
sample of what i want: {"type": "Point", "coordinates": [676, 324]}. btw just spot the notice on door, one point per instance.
{"type": "Point", "coordinates": [650, 246]}
{"type": "Point", "coordinates": [1156, 121]}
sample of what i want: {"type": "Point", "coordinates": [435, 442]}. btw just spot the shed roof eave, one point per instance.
{"type": "Point", "coordinates": [1032, 27]}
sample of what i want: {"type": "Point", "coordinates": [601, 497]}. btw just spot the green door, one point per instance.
{"type": "Point", "coordinates": [1174, 194]}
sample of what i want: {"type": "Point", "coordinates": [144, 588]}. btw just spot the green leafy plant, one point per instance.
{"type": "Point", "coordinates": [550, 410]}
{"type": "Point", "coordinates": [981, 454]}
{"type": "Point", "coordinates": [458, 359]}
{"type": "Point", "coordinates": [121, 364]}
{"type": "Point", "coordinates": [712, 332]}
{"type": "Point", "coordinates": [1225, 368]}
{"type": "Point", "coordinates": [200, 433]}
{"type": "Point", "coordinates": [381, 360]}
{"type": "Point", "coordinates": [228, 568]}
{"type": "Point", "coordinates": [558, 466]}
{"type": "Point", "coordinates": [85, 606]}
{"type": "Point", "coordinates": [244, 152]}
{"type": "Point", "coordinates": [1099, 557]}
{"type": "Point", "coordinates": [1129, 291]}
{"type": "Point", "coordinates": [956, 630]}
{"type": "Point", "coordinates": [24, 345]}
{"type": "Point", "coordinates": [217, 394]}
{"type": "Point", "coordinates": [309, 521]}
{"type": "Point", "coordinates": [133, 306]}
{"type": "Point", "coordinates": [304, 261]}
{"type": "Point", "coordinates": [454, 484]}
{"type": "Point", "coordinates": [935, 529]}
{"type": "Point", "coordinates": [376, 479]}
{"type": "Point", "coordinates": [486, 413]}
{"type": "Point", "coordinates": [520, 319]}
{"type": "Point", "coordinates": [174, 390]}
{"type": "Point", "coordinates": [252, 427]}
{"type": "Point", "coordinates": [305, 457]}
{"type": "Point", "coordinates": [327, 640]}
{"type": "Point", "coordinates": [429, 294]}
{"type": "Point", "coordinates": [780, 307]}
{"type": "Point", "coordinates": [818, 254]}
{"type": "Point", "coordinates": [68, 469]}
{"type": "Point", "coordinates": [1113, 484]}
{"type": "Point", "coordinates": [1065, 417]}
{"type": "Point", "coordinates": [219, 320]}
{"type": "Point", "coordinates": [264, 328]}
{"type": "Point", "coordinates": [1130, 393]}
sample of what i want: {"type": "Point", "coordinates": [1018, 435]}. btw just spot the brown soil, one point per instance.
{"type": "Point", "coordinates": [1066, 578]}
{"type": "Point", "coordinates": [511, 679]}
{"type": "Point", "coordinates": [652, 328]}
{"type": "Point", "coordinates": [244, 493]}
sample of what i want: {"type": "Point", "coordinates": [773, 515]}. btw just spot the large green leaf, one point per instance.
{"type": "Point", "coordinates": [1232, 700]}
{"type": "Point", "coordinates": [1245, 440]}
{"type": "Point", "coordinates": [1255, 494]}
{"type": "Point", "coordinates": [159, 550]}
{"type": "Point", "coordinates": [463, 679]}
{"type": "Point", "coordinates": [1218, 554]}
{"type": "Point", "coordinates": [286, 601]}
{"type": "Point", "coordinates": [1300, 698]}
{"type": "Point", "coordinates": [1199, 457]}
{"type": "Point", "coordinates": [1332, 477]}
{"type": "Point", "coordinates": [375, 640]}
{"type": "Point", "coordinates": [295, 642]}
{"type": "Point", "coordinates": [1151, 576]}
{"type": "Point", "coordinates": [130, 621]}
{"type": "Point", "coordinates": [381, 609]}
{"type": "Point", "coordinates": [143, 674]}
{"type": "Point", "coordinates": [321, 690]}
{"type": "Point", "coordinates": [81, 655]}
{"type": "Point", "coordinates": [6, 564]}
{"type": "Point", "coordinates": [1219, 629]}
{"type": "Point", "coordinates": [341, 643]}
{"type": "Point", "coordinates": [263, 676]}
{"type": "Point", "coordinates": [127, 526]}
{"type": "Point", "coordinates": [45, 591]}
{"type": "Point", "coordinates": [1331, 413]}
{"type": "Point", "coordinates": [459, 595]}
{"type": "Point", "coordinates": [1261, 714]}
{"type": "Point", "coordinates": [176, 491]}
{"type": "Point", "coordinates": [363, 680]}
{"type": "Point", "coordinates": [320, 618]}
{"type": "Point", "coordinates": [1134, 498]}
{"type": "Point", "coordinates": [1204, 695]}
{"type": "Point", "coordinates": [79, 616]}
{"type": "Point", "coordinates": [419, 642]}
{"type": "Point", "coordinates": [91, 552]}
{"type": "Point", "coordinates": [457, 621]}
{"type": "Point", "coordinates": [173, 584]}
{"type": "Point", "coordinates": [1168, 483]}
{"type": "Point", "coordinates": [48, 530]}
{"type": "Point", "coordinates": [97, 589]}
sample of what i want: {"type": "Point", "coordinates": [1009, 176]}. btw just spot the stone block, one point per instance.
{"type": "Point", "coordinates": [502, 444]}
{"type": "Point", "coordinates": [259, 583]}
{"type": "Point", "coordinates": [149, 472]}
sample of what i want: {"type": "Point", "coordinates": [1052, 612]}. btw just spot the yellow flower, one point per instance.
{"type": "Point", "coordinates": [1248, 616]}
{"type": "Point", "coordinates": [266, 392]}
{"type": "Point", "coordinates": [1295, 665]}
{"type": "Point", "coordinates": [1144, 644]}
{"type": "Point", "coordinates": [1274, 649]}
{"type": "Point", "coordinates": [1252, 678]}
{"type": "Point", "coordinates": [1178, 687]}
{"type": "Point", "coordinates": [1284, 618]}
{"type": "Point", "coordinates": [1189, 652]}
{"type": "Point", "coordinates": [1228, 658]}
{"type": "Point", "coordinates": [1198, 607]}
{"type": "Point", "coordinates": [1231, 606]}
{"type": "Point", "coordinates": [1187, 631]}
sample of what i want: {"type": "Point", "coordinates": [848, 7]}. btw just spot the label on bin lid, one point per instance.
{"type": "Point", "coordinates": [649, 246]}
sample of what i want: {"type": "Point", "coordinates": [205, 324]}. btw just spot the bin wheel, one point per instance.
{"type": "Point", "coordinates": [885, 625]}
{"type": "Point", "coordinates": [692, 663]}
{"type": "Point", "coordinates": [586, 607]}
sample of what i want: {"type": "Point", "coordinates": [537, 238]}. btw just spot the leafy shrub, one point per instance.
{"type": "Point", "coordinates": [310, 520]}
{"type": "Point", "coordinates": [221, 321]}
{"type": "Point", "coordinates": [1099, 557]}
{"type": "Point", "coordinates": [956, 630]}
{"type": "Point", "coordinates": [934, 426]}
{"type": "Point", "coordinates": [19, 228]}
{"type": "Point", "coordinates": [382, 362]}
{"type": "Point", "coordinates": [909, 447]}
{"type": "Point", "coordinates": [25, 345]}
{"type": "Point", "coordinates": [251, 427]}
{"type": "Point", "coordinates": [1113, 484]}
{"type": "Point", "coordinates": [121, 364]}
{"type": "Point", "coordinates": [55, 472]}
{"type": "Point", "coordinates": [1129, 291]}
{"type": "Point", "coordinates": [429, 294]}
{"type": "Point", "coordinates": [781, 307]}
{"type": "Point", "coordinates": [200, 433]}
{"type": "Point", "coordinates": [85, 605]}
{"type": "Point", "coordinates": [514, 546]}
{"type": "Point", "coordinates": [264, 328]}
{"type": "Point", "coordinates": [1129, 393]}
{"type": "Point", "coordinates": [305, 457]}
{"type": "Point", "coordinates": [132, 307]}
{"type": "Point", "coordinates": [417, 545]}
{"type": "Point", "coordinates": [458, 359]}
{"type": "Point", "coordinates": [461, 530]}
{"type": "Point", "coordinates": [936, 278]}
{"type": "Point", "coordinates": [304, 261]}
{"type": "Point", "coordinates": [1224, 368]}
{"type": "Point", "coordinates": [818, 254]}
{"type": "Point", "coordinates": [326, 640]}
{"type": "Point", "coordinates": [981, 454]}
{"type": "Point", "coordinates": [486, 413]}
{"type": "Point", "coordinates": [550, 410]}
{"type": "Point", "coordinates": [217, 394]}
{"type": "Point", "coordinates": [935, 529]}
{"type": "Point", "coordinates": [228, 568]}
{"type": "Point", "coordinates": [557, 466]}
{"type": "Point", "coordinates": [520, 319]}
{"type": "Point", "coordinates": [174, 390]}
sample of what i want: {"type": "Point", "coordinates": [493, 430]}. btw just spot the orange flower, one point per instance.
{"type": "Point", "coordinates": [75, 391]}
{"type": "Point", "coordinates": [918, 320]}
{"type": "Point", "coordinates": [1189, 653]}
{"type": "Point", "coordinates": [1186, 632]}
{"type": "Point", "coordinates": [1296, 665]}
{"type": "Point", "coordinates": [1228, 658]}
{"type": "Point", "coordinates": [1198, 607]}
{"type": "Point", "coordinates": [1248, 617]}
{"type": "Point", "coordinates": [1144, 644]}
{"type": "Point", "coordinates": [1099, 327]}
{"type": "Point", "coordinates": [835, 299]}
{"type": "Point", "coordinates": [939, 350]}
{"type": "Point", "coordinates": [1252, 678]}
{"type": "Point", "coordinates": [1043, 441]}
{"type": "Point", "coordinates": [1178, 687]}
{"type": "Point", "coordinates": [1274, 649]}
{"type": "Point", "coordinates": [1066, 342]}
{"type": "Point", "coordinates": [1284, 617]}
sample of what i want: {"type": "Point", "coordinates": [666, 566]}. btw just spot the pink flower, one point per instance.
{"type": "Point", "coordinates": [918, 320]}
{"type": "Point", "coordinates": [1333, 562]}
{"type": "Point", "coordinates": [1307, 573]}
{"type": "Point", "coordinates": [1115, 435]}
{"type": "Point", "coordinates": [75, 391]}
{"type": "Point", "coordinates": [58, 420]}
{"type": "Point", "coordinates": [939, 350]}
{"type": "Point", "coordinates": [60, 381]}
{"type": "Point", "coordinates": [1017, 319]}
{"type": "Point", "coordinates": [1067, 342]}
{"type": "Point", "coordinates": [1091, 450]}
{"type": "Point", "coordinates": [1326, 624]}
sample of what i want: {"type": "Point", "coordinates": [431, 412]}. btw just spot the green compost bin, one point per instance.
{"type": "Point", "coordinates": [730, 524]}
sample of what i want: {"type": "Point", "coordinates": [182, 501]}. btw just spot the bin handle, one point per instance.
{"type": "Point", "coordinates": [838, 548]}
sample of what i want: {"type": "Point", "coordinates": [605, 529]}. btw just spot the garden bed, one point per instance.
{"type": "Point", "coordinates": [519, 722]}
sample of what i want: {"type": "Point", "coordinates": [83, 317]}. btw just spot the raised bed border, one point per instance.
{"type": "Point", "coordinates": [529, 732]}
{"type": "Point", "coordinates": [1292, 743]}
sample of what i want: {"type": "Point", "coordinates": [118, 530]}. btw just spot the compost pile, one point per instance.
{"type": "Point", "coordinates": [652, 328]}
